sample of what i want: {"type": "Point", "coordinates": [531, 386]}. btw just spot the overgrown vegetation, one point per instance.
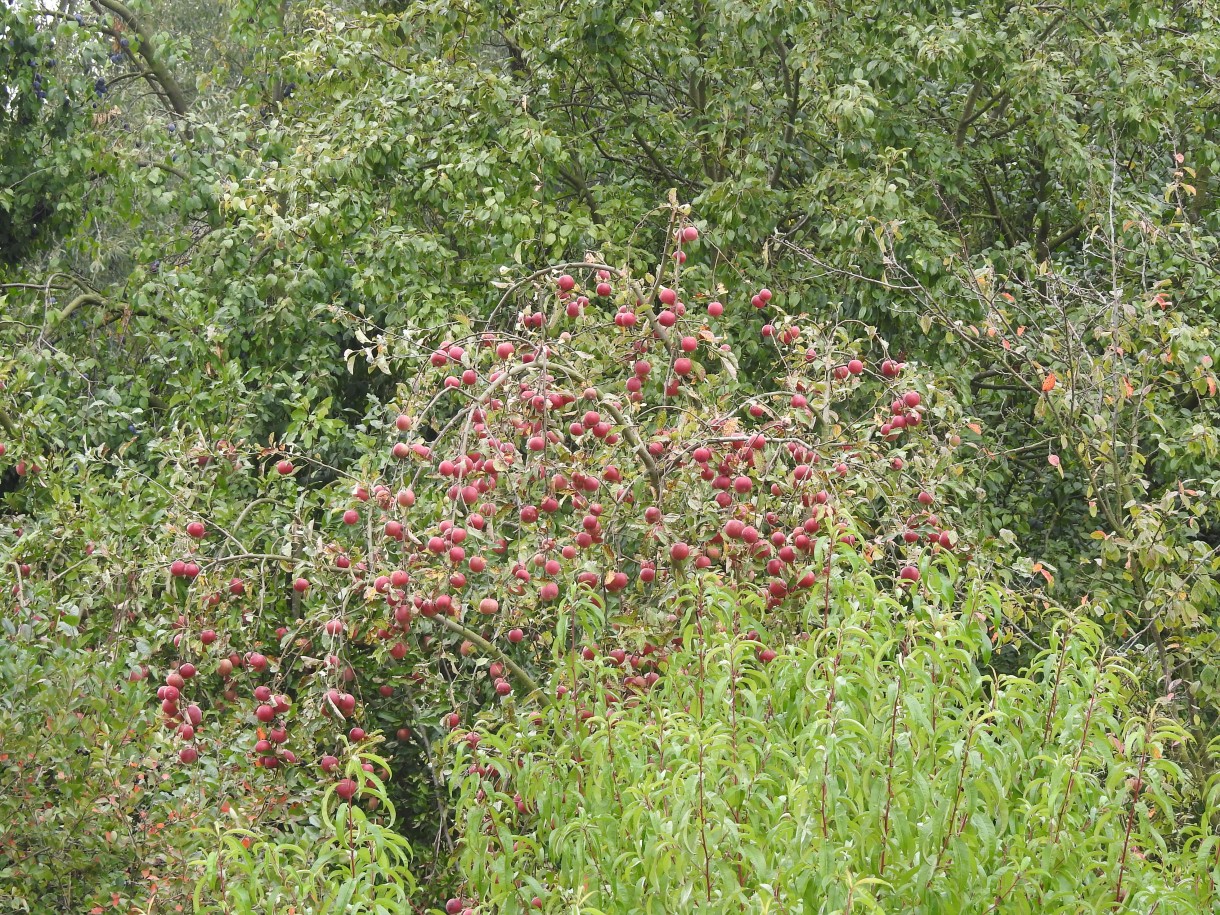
{"type": "Point", "coordinates": [609, 457]}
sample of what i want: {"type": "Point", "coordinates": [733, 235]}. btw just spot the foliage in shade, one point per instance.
{"type": "Point", "coordinates": [44, 137]}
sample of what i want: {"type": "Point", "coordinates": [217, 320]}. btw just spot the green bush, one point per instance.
{"type": "Point", "coordinates": [879, 764]}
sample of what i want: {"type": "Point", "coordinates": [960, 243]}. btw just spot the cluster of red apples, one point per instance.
{"type": "Point", "coordinates": [601, 451]}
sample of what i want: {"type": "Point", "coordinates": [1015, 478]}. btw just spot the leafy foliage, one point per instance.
{"type": "Point", "coordinates": [46, 147]}
{"type": "Point", "coordinates": [352, 864]}
{"type": "Point", "coordinates": [875, 764]}
{"type": "Point", "coordinates": [245, 252]}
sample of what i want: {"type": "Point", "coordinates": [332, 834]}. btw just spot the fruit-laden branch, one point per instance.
{"type": "Point", "coordinates": [633, 438]}
{"type": "Point", "coordinates": [552, 268]}
{"type": "Point", "coordinates": [158, 73]}
{"type": "Point", "coordinates": [526, 680]}
{"type": "Point", "coordinates": [654, 473]}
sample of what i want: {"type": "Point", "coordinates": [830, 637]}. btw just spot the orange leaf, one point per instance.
{"type": "Point", "coordinates": [975, 428]}
{"type": "Point", "coordinates": [1049, 382]}
{"type": "Point", "coordinates": [1211, 385]}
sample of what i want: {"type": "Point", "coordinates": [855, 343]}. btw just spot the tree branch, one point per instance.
{"type": "Point", "coordinates": [1064, 237]}
{"type": "Point", "coordinates": [147, 51]}
{"type": "Point", "coordinates": [526, 680]}
{"type": "Point", "coordinates": [959, 136]}
{"type": "Point", "coordinates": [994, 206]}
{"type": "Point", "coordinates": [165, 168]}
{"type": "Point", "coordinates": [792, 89]}
{"type": "Point", "coordinates": [654, 474]}
{"type": "Point", "coordinates": [85, 298]}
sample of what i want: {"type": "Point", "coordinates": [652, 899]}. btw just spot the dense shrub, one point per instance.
{"type": "Point", "coordinates": [879, 763]}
